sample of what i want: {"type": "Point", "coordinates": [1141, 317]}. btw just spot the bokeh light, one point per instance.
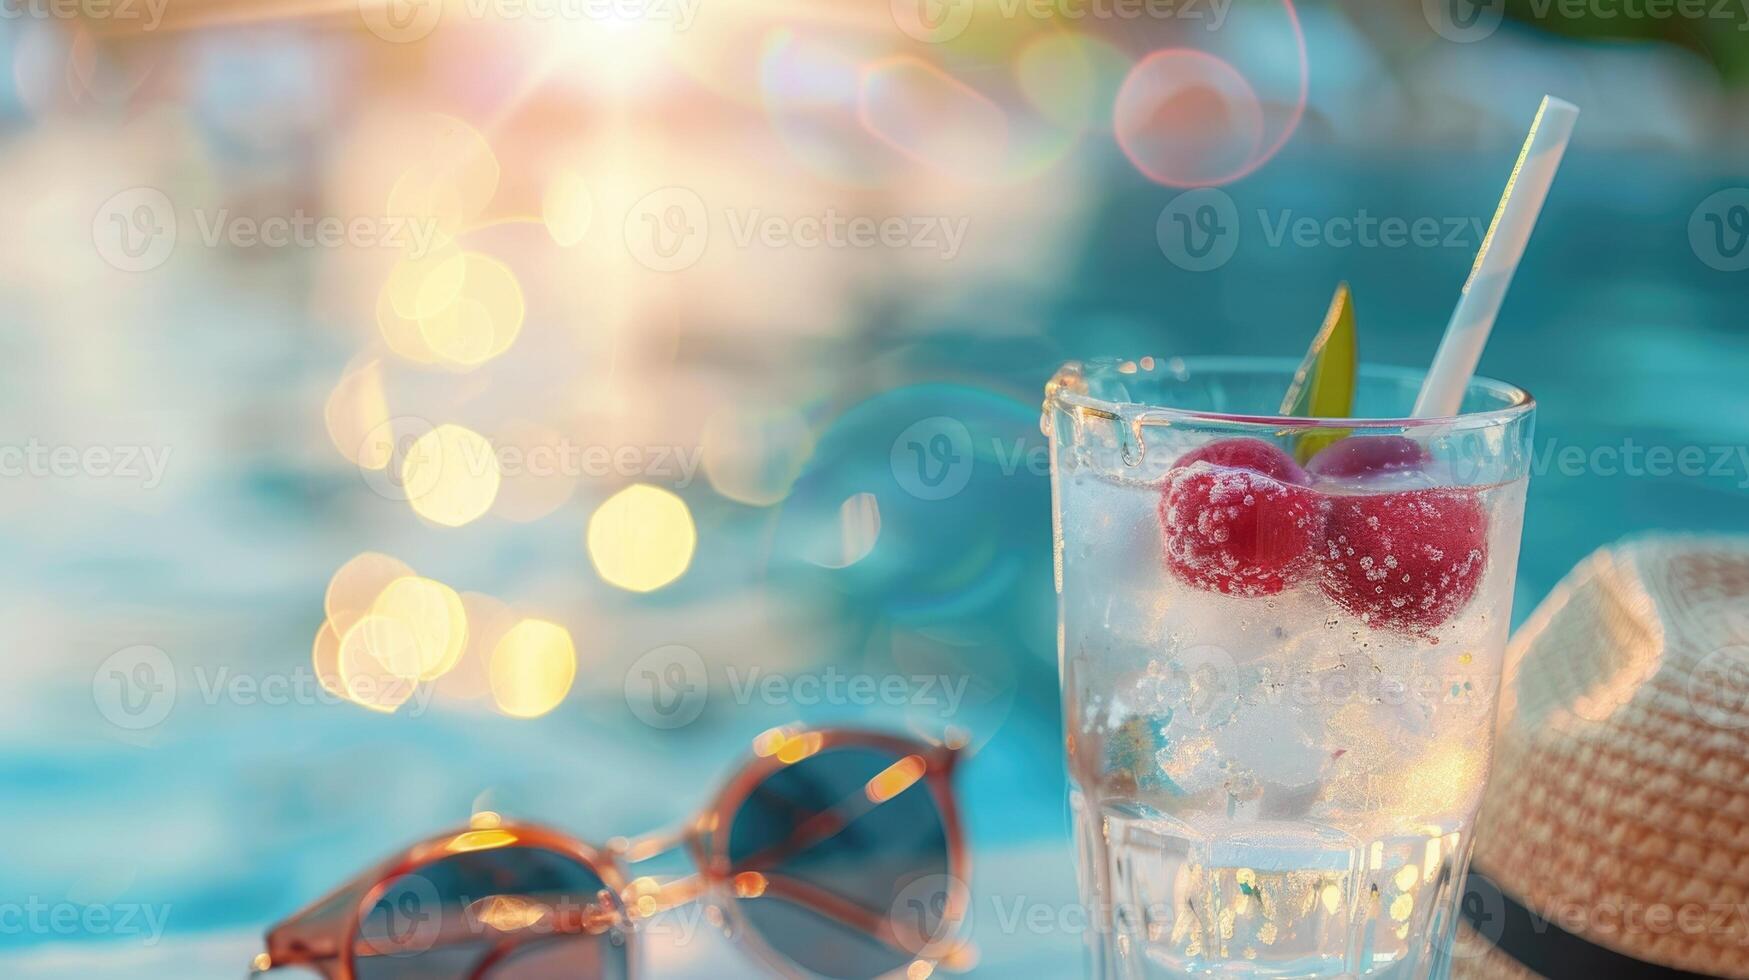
{"type": "Point", "coordinates": [400, 333]}
{"type": "Point", "coordinates": [532, 669]}
{"type": "Point", "coordinates": [453, 176]}
{"type": "Point", "coordinates": [325, 660]}
{"type": "Point", "coordinates": [367, 651]}
{"type": "Point", "coordinates": [354, 588]}
{"type": "Point", "coordinates": [753, 455]}
{"type": "Point", "coordinates": [489, 619]}
{"type": "Point", "coordinates": [356, 408]}
{"type": "Point", "coordinates": [433, 613]}
{"type": "Point", "coordinates": [481, 320]}
{"type": "Point", "coordinates": [641, 538]}
{"type": "Point", "coordinates": [451, 475]}
{"type": "Point", "coordinates": [859, 521]}
{"type": "Point", "coordinates": [425, 285]}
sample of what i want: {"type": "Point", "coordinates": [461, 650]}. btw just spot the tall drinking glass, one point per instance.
{"type": "Point", "coordinates": [1278, 680]}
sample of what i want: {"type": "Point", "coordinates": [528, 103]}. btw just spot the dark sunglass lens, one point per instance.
{"type": "Point", "coordinates": [503, 913]}
{"type": "Point", "coordinates": [841, 862]}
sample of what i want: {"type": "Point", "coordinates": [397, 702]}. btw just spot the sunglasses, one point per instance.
{"type": "Point", "coordinates": [830, 853]}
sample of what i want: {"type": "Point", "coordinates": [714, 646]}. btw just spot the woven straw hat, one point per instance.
{"type": "Point", "coordinates": [1614, 838]}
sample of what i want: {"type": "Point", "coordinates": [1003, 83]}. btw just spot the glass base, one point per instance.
{"type": "Point", "coordinates": [1263, 898]}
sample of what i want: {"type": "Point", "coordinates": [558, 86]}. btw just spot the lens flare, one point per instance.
{"type": "Point", "coordinates": [1071, 78]}
{"type": "Point", "coordinates": [567, 208]}
{"type": "Point", "coordinates": [934, 118]}
{"type": "Point", "coordinates": [451, 475]}
{"type": "Point", "coordinates": [533, 668]}
{"type": "Point", "coordinates": [641, 538]}
{"type": "Point", "coordinates": [1186, 118]}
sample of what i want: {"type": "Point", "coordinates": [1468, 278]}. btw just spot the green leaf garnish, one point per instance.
{"type": "Point", "coordinates": [1323, 387]}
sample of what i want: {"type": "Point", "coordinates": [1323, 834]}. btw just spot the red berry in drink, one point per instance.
{"type": "Point", "coordinates": [1360, 456]}
{"type": "Point", "coordinates": [1406, 561]}
{"type": "Point", "coordinates": [1247, 454]}
{"type": "Point", "coordinates": [1236, 529]}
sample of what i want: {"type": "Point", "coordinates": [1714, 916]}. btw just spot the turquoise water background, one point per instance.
{"type": "Point", "coordinates": [227, 816]}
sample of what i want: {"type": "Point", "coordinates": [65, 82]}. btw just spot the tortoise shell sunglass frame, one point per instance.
{"type": "Point", "coordinates": [329, 935]}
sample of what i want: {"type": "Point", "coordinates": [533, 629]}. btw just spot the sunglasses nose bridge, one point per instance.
{"type": "Point", "coordinates": [648, 847]}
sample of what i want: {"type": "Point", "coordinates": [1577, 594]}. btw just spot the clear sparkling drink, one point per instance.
{"type": "Point", "coordinates": [1278, 681]}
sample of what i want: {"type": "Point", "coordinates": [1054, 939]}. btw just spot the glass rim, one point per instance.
{"type": "Point", "coordinates": [1063, 390]}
